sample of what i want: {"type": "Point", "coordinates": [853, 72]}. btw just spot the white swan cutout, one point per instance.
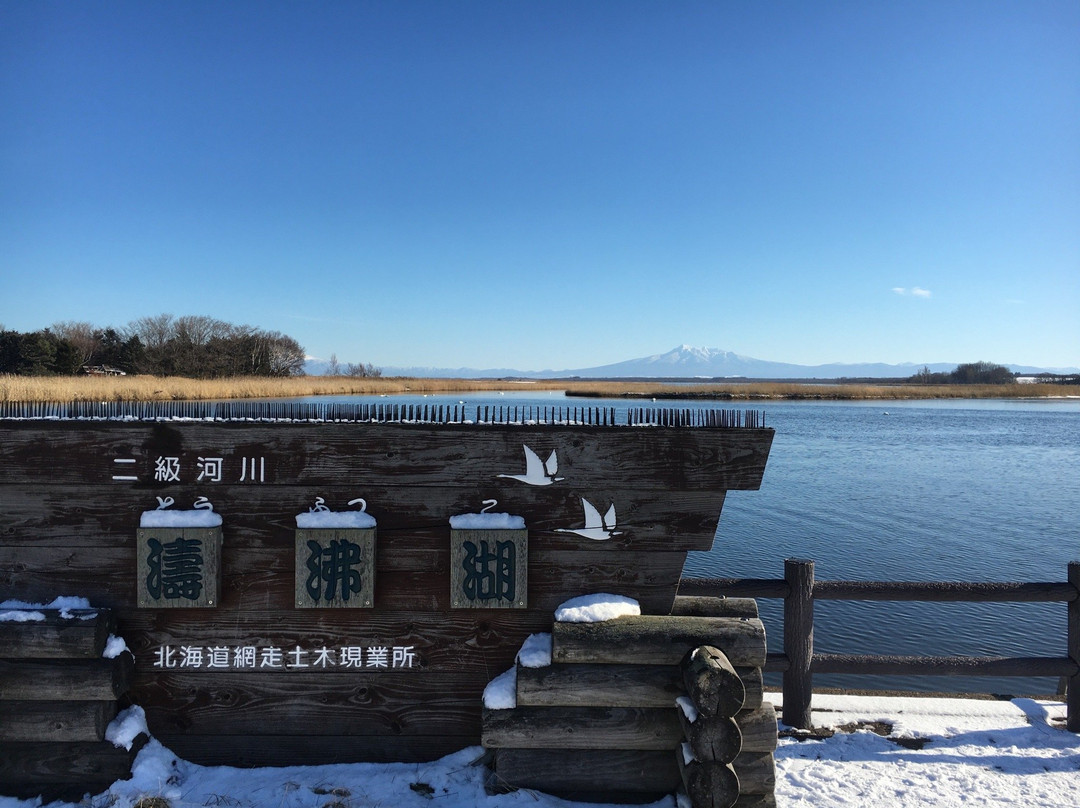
{"type": "Point", "coordinates": [537, 471]}
{"type": "Point", "coordinates": [597, 527]}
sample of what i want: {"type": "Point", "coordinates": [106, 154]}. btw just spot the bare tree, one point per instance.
{"type": "Point", "coordinates": [332, 367]}
{"type": "Point", "coordinates": [84, 338]}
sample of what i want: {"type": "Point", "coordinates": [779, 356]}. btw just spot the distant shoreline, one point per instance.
{"type": "Point", "coordinates": [174, 388]}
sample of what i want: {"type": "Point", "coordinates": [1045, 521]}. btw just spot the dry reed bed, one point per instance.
{"type": "Point", "coordinates": [156, 388]}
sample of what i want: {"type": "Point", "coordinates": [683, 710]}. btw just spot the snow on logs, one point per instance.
{"type": "Point", "coordinates": [61, 676]}
{"type": "Point", "coordinates": [641, 705]}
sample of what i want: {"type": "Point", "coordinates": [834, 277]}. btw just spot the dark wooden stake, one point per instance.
{"type": "Point", "coordinates": [798, 642]}
{"type": "Point", "coordinates": [1072, 697]}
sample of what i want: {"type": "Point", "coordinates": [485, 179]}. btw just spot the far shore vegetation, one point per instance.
{"type": "Point", "coordinates": [176, 388]}
{"type": "Point", "coordinates": [198, 358]}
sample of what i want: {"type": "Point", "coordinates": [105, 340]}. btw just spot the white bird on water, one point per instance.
{"type": "Point", "coordinates": [537, 471]}
{"type": "Point", "coordinates": [597, 527]}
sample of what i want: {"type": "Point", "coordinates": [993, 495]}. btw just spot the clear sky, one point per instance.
{"type": "Point", "coordinates": [544, 184]}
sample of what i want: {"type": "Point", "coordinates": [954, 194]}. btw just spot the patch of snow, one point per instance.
{"type": "Point", "coordinates": [501, 692]}
{"type": "Point", "coordinates": [596, 608]}
{"type": "Point", "coordinates": [1003, 754]}
{"type": "Point", "coordinates": [126, 727]}
{"type": "Point", "coordinates": [114, 647]}
{"type": "Point", "coordinates": [21, 616]}
{"type": "Point", "coordinates": [535, 651]}
{"type": "Point", "coordinates": [487, 521]}
{"type": "Point", "coordinates": [199, 517]}
{"type": "Point", "coordinates": [687, 754]}
{"type": "Point", "coordinates": [346, 519]}
{"type": "Point", "coordinates": [686, 704]}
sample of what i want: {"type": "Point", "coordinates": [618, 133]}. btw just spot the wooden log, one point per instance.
{"type": "Point", "coordinates": [798, 642]}
{"type": "Point", "coordinates": [712, 683]}
{"type": "Point", "coordinates": [614, 685]}
{"type": "Point", "coordinates": [735, 587]}
{"type": "Point", "coordinates": [65, 721]}
{"type": "Point", "coordinates": [581, 728]}
{"type": "Point", "coordinates": [658, 640]}
{"type": "Point", "coordinates": [560, 685]}
{"type": "Point", "coordinates": [71, 680]}
{"type": "Point", "coordinates": [81, 634]}
{"type": "Point", "coordinates": [64, 771]}
{"type": "Point", "coordinates": [704, 606]}
{"type": "Point", "coordinates": [714, 739]}
{"type": "Point", "coordinates": [723, 739]}
{"type": "Point", "coordinates": [708, 784]}
{"type": "Point", "coordinates": [601, 772]}
{"type": "Point", "coordinates": [893, 665]}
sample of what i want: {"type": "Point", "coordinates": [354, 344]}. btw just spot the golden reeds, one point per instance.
{"type": "Point", "coordinates": [174, 388]}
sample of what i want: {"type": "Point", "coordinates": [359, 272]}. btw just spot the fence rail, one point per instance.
{"type": "Point", "coordinates": [799, 663]}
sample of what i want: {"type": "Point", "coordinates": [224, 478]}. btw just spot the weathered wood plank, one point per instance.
{"type": "Point", "coordinates": [581, 728]}
{"type": "Point", "coordinates": [658, 640]}
{"type": "Point", "coordinates": [614, 685]}
{"type": "Point", "coordinates": [71, 634]}
{"type": "Point", "coordinates": [559, 685]}
{"type": "Point", "coordinates": [712, 683]}
{"type": "Point", "coordinates": [481, 642]}
{"type": "Point", "coordinates": [66, 721]}
{"type": "Point", "coordinates": [59, 680]}
{"type": "Point", "coordinates": [312, 750]}
{"type": "Point", "coordinates": [600, 772]}
{"type": "Point", "coordinates": [57, 768]}
{"type": "Point", "coordinates": [256, 580]}
{"type": "Point", "coordinates": [366, 454]}
{"type": "Point", "coordinates": [384, 704]}
{"type": "Point", "coordinates": [604, 771]}
{"type": "Point", "coordinates": [107, 515]}
{"type": "Point", "coordinates": [703, 606]}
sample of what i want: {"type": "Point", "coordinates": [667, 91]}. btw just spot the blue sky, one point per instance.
{"type": "Point", "coordinates": [552, 184]}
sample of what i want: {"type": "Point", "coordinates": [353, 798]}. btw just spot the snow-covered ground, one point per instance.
{"type": "Point", "coordinates": [973, 753]}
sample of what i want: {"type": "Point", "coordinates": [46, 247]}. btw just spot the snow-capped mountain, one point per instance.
{"type": "Point", "coordinates": [687, 361]}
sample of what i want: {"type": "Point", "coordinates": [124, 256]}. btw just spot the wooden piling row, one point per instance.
{"type": "Point", "coordinates": [601, 722]}
{"type": "Point", "coordinates": [57, 697]}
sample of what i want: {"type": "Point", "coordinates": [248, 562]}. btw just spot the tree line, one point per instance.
{"type": "Point", "coordinates": [970, 373]}
{"type": "Point", "coordinates": [194, 346]}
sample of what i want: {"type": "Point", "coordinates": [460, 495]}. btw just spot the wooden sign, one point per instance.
{"type": "Point", "coordinates": [489, 568]}
{"type": "Point", "coordinates": [335, 568]}
{"type": "Point", "coordinates": [178, 567]}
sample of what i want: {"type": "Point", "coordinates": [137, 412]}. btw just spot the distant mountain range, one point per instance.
{"type": "Point", "coordinates": [687, 362]}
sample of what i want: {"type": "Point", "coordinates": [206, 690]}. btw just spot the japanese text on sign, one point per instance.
{"type": "Point", "coordinates": [273, 657]}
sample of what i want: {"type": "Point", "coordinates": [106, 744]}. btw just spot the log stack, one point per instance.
{"type": "Point", "coordinates": [57, 697]}
{"type": "Point", "coordinates": [637, 707]}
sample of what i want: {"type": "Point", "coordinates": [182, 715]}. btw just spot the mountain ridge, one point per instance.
{"type": "Point", "coordinates": [687, 361]}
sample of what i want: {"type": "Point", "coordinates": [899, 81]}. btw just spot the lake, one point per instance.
{"type": "Point", "coordinates": [901, 490]}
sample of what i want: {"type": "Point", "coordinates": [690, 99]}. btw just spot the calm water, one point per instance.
{"type": "Point", "coordinates": [956, 490]}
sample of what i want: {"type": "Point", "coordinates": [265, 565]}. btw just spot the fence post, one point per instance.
{"type": "Point", "coordinates": [798, 641]}
{"type": "Point", "coordinates": [1072, 693]}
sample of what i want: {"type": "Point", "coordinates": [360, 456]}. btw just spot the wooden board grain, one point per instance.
{"type": "Point", "coordinates": [658, 640]}
{"type": "Point", "coordinates": [581, 728]}
{"type": "Point", "coordinates": [53, 633]}
{"type": "Point", "coordinates": [64, 679]}
{"type": "Point", "coordinates": [367, 454]}
{"type": "Point", "coordinates": [64, 721]}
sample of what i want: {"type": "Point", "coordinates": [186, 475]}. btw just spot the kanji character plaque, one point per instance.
{"type": "Point", "coordinates": [179, 567]}
{"type": "Point", "coordinates": [489, 568]}
{"type": "Point", "coordinates": [335, 568]}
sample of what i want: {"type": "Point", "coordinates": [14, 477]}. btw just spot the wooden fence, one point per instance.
{"type": "Point", "coordinates": [799, 663]}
